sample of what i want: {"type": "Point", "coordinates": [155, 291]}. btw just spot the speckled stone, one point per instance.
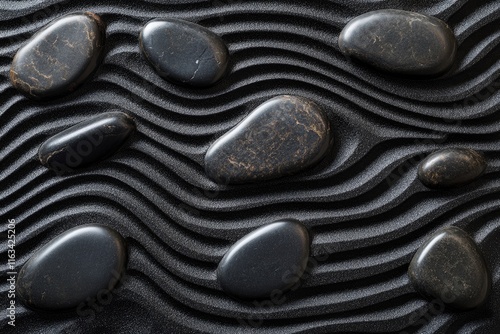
{"type": "Point", "coordinates": [401, 42]}
{"type": "Point", "coordinates": [266, 262]}
{"type": "Point", "coordinates": [451, 167]}
{"type": "Point", "coordinates": [184, 52]}
{"type": "Point", "coordinates": [450, 267]}
{"type": "Point", "coordinates": [87, 142]}
{"type": "Point", "coordinates": [60, 57]}
{"type": "Point", "coordinates": [282, 136]}
{"type": "Point", "coordinates": [76, 265]}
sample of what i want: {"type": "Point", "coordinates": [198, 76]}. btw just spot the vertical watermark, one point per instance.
{"type": "Point", "coordinates": [11, 272]}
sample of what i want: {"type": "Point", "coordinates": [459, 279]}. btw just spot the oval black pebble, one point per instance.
{"type": "Point", "coordinates": [80, 263]}
{"type": "Point", "coordinates": [450, 267]}
{"type": "Point", "coordinates": [184, 52]}
{"type": "Point", "coordinates": [451, 167]}
{"type": "Point", "coordinates": [282, 136]}
{"type": "Point", "coordinates": [58, 58]}
{"type": "Point", "coordinates": [401, 42]}
{"type": "Point", "coordinates": [266, 262]}
{"type": "Point", "coordinates": [86, 142]}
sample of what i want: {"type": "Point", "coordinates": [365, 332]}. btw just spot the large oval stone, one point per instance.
{"type": "Point", "coordinates": [450, 267]}
{"type": "Point", "coordinates": [451, 167]}
{"type": "Point", "coordinates": [282, 136]}
{"type": "Point", "coordinates": [401, 42]}
{"type": "Point", "coordinates": [86, 142]}
{"type": "Point", "coordinates": [58, 58]}
{"type": "Point", "coordinates": [76, 265]}
{"type": "Point", "coordinates": [184, 52]}
{"type": "Point", "coordinates": [266, 262]}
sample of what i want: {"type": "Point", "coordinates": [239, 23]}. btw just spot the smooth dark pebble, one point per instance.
{"type": "Point", "coordinates": [86, 142]}
{"type": "Point", "coordinates": [184, 52]}
{"type": "Point", "coordinates": [281, 137]}
{"type": "Point", "coordinates": [59, 57]}
{"type": "Point", "coordinates": [450, 267]}
{"type": "Point", "coordinates": [451, 167]}
{"type": "Point", "coordinates": [80, 263]}
{"type": "Point", "coordinates": [265, 263]}
{"type": "Point", "coordinates": [401, 42]}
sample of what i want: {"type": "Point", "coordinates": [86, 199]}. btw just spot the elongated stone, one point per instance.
{"type": "Point", "coordinates": [60, 57]}
{"type": "Point", "coordinates": [282, 136]}
{"type": "Point", "coordinates": [450, 267]}
{"type": "Point", "coordinates": [401, 42]}
{"type": "Point", "coordinates": [184, 52]}
{"type": "Point", "coordinates": [81, 264]}
{"type": "Point", "coordinates": [451, 167]}
{"type": "Point", "coordinates": [86, 142]}
{"type": "Point", "coordinates": [266, 262]}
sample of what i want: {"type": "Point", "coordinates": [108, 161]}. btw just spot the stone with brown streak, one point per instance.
{"type": "Point", "coordinates": [60, 57]}
{"type": "Point", "coordinates": [282, 136]}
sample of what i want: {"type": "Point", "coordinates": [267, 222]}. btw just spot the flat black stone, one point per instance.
{"type": "Point", "coordinates": [76, 265]}
{"type": "Point", "coordinates": [60, 57]}
{"type": "Point", "coordinates": [266, 262]}
{"type": "Point", "coordinates": [451, 167]}
{"type": "Point", "coordinates": [184, 52]}
{"type": "Point", "coordinates": [450, 267]}
{"type": "Point", "coordinates": [86, 142]}
{"type": "Point", "coordinates": [282, 136]}
{"type": "Point", "coordinates": [400, 42]}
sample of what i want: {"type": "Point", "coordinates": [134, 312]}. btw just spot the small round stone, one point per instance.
{"type": "Point", "coordinates": [84, 143]}
{"type": "Point", "coordinates": [59, 57]}
{"type": "Point", "coordinates": [451, 167]}
{"type": "Point", "coordinates": [77, 265]}
{"type": "Point", "coordinates": [266, 262]}
{"type": "Point", "coordinates": [184, 52]}
{"type": "Point", "coordinates": [400, 42]}
{"type": "Point", "coordinates": [281, 137]}
{"type": "Point", "coordinates": [450, 267]}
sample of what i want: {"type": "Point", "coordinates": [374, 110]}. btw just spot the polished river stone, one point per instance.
{"type": "Point", "coordinates": [450, 267]}
{"type": "Point", "coordinates": [84, 262]}
{"type": "Point", "coordinates": [282, 136]}
{"type": "Point", "coordinates": [58, 58]}
{"type": "Point", "coordinates": [84, 143]}
{"type": "Point", "coordinates": [266, 262]}
{"type": "Point", "coordinates": [184, 52]}
{"type": "Point", "coordinates": [451, 167]}
{"type": "Point", "coordinates": [400, 42]}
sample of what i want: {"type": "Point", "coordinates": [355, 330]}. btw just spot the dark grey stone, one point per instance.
{"type": "Point", "coordinates": [450, 267]}
{"type": "Point", "coordinates": [266, 262]}
{"type": "Point", "coordinates": [81, 263]}
{"type": "Point", "coordinates": [184, 52]}
{"type": "Point", "coordinates": [281, 137]}
{"type": "Point", "coordinates": [60, 57]}
{"type": "Point", "coordinates": [401, 42]}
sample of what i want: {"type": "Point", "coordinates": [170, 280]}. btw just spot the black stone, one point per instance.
{"type": "Point", "coordinates": [451, 167]}
{"type": "Point", "coordinates": [400, 42]}
{"type": "Point", "coordinates": [184, 52]}
{"type": "Point", "coordinates": [450, 267]}
{"type": "Point", "coordinates": [282, 136]}
{"type": "Point", "coordinates": [84, 262]}
{"type": "Point", "coordinates": [58, 58]}
{"type": "Point", "coordinates": [86, 142]}
{"type": "Point", "coordinates": [266, 262]}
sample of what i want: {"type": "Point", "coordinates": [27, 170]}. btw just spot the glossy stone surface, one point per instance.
{"type": "Point", "coordinates": [265, 262]}
{"type": "Point", "coordinates": [58, 58]}
{"type": "Point", "coordinates": [76, 265]}
{"type": "Point", "coordinates": [184, 52]}
{"type": "Point", "coordinates": [400, 42]}
{"type": "Point", "coordinates": [449, 266]}
{"type": "Point", "coordinates": [282, 136]}
{"type": "Point", "coordinates": [451, 167]}
{"type": "Point", "coordinates": [86, 142]}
